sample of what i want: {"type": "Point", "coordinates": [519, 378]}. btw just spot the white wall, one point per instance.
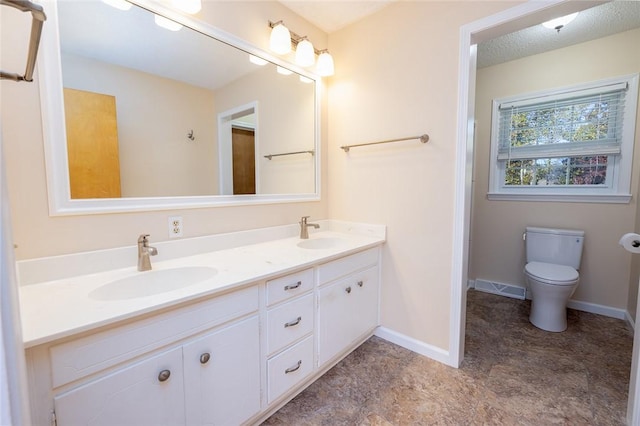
{"type": "Point", "coordinates": [497, 249]}
{"type": "Point", "coordinates": [396, 76]}
{"type": "Point", "coordinates": [36, 234]}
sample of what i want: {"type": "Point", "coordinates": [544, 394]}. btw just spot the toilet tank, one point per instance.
{"type": "Point", "coordinates": [559, 246]}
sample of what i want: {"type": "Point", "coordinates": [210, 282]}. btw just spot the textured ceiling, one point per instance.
{"type": "Point", "coordinates": [597, 22]}
{"type": "Point", "coordinates": [590, 24]}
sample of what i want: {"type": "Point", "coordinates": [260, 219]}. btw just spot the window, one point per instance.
{"type": "Point", "coordinates": [569, 144]}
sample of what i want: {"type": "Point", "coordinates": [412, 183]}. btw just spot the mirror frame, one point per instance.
{"type": "Point", "coordinates": [54, 132]}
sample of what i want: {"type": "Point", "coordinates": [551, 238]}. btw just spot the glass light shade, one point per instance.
{"type": "Point", "coordinates": [118, 4]}
{"type": "Point", "coordinates": [556, 24]}
{"type": "Point", "coordinates": [283, 71]}
{"type": "Point", "coordinates": [168, 24]}
{"type": "Point", "coordinates": [305, 55]}
{"type": "Point", "coordinates": [280, 41]}
{"type": "Point", "coordinates": [188, 6]}
{"type": "Point", "coordinates": [325, 64]}
{"type": "Point", "coordinates": [305, 79]}
{"type": "Point", "coordinates": [258, 61]}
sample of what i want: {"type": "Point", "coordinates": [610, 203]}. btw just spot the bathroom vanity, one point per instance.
{"type": "Point", "coordinates": [259, 323]}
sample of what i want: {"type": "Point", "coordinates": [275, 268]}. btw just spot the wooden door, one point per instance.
{"type": "Point", "coordinates": [92, 144]}
{"type": "Point", "coordinates": [244, 161]}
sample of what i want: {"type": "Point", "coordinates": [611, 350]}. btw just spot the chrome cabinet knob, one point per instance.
{"type": "Point", "coordinates": [205, 357]}
{"type": "Point", "coordinates": [360, 283]}
{"type": "Point", "coordinates": [348, 289]}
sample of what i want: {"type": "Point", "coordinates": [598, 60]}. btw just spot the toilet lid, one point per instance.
{"type": "Point", "coordinates": [558, 274]}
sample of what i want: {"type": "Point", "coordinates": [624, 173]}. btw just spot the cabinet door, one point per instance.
{"type": "Point", "coordinates": [140, 394]}
{"type": "Point", "coordinates": [222, 375]}
{"type": "Point", "coordinates": [347, 310]}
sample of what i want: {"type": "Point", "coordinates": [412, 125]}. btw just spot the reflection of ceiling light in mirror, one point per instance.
{"type": "Point", "coordinates": [305, 79]}
{"type": "Point", "coordinates": [283, 71]}
{"type": "Point", "coordinates": [118, 4]}
{"type": "Point", "coordinates": [325, 64]}
{"type": "Point", "coordinates": [258, 61]}
{"type": "Point", "coordinates": [280, 40]}
{"type": "Point", "coordinates": [305, 55]}
{"type": "Point", "coordinates": [168, 24]}
{"type": "Point", "coordinates": [188, 6]}
{"type": "Point", "coordinates": [558, 23]}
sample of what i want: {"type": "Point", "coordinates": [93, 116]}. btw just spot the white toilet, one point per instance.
{"type": "Point", "coordinates": [553, 258]}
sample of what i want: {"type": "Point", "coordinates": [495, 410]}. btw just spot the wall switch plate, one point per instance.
{"type": "Point", "coordinates": [175, 226]}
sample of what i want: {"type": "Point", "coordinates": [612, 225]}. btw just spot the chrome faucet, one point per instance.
{"type": "Point", "coordinates": [144, 251]}
{"type": "Point", "coordinates": [304, 232]}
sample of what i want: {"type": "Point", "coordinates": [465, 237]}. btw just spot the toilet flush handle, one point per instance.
{"type": "Point", "coordinates": [524, 236]}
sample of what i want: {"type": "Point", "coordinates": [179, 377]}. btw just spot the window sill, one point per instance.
{"type": "Point", "coordinates": [562, 198]}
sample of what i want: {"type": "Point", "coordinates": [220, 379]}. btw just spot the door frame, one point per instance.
{"type": "Point", "coordinates": [507, 21]}
{"type": "Point", "coordinates": [225, 152]}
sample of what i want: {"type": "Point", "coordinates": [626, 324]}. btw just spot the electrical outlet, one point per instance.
{"type": "Point", "coordinates": [175, 226]}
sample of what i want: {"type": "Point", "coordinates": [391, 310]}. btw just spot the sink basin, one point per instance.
{"type": "Point", "coordinates": [152, 282]}
{"type": "Point", "coordinates": [321, 243]}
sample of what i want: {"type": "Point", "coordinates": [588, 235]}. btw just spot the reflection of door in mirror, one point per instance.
{"type": "Point", "coordinates": [92, 144]}
{"type": "Point", "coordinates": [244, 160]}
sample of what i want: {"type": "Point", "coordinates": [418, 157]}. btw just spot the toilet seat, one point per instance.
{"type": "Point", "coordinates": [551, 273]}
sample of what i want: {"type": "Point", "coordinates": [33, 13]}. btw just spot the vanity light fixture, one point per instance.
{"type": "Point", "coordinates": [168, 24]}
{"type": "Point", "coordinates": [283, 71]}
{"type": "Point", "coordinates": [118, 4]}
{"type": "Point", "coordinates": [305, 79]}
{"type": "Point", "coordinates": [281, 40]}
{"type": "Point", "coordinates": [559, 23]}
{"type": "Point", "coordinates": [305, 54]}
{"type": "Point", "coordinates": [257, 61]}
{"type": "Point", "coordinates": [325, 64]}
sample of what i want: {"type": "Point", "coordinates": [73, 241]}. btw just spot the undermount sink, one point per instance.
{"type": "Point", "coordinates": [321, 243]}
{"type": "Point", "coordinates": [152, 282]}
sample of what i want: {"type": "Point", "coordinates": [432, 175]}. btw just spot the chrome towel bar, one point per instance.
{"type": "Point", "coordinates": [39, 17]}
{"type": "Point", "coordinates": [423, 138]}
{"type": "Point", "coordinates": [270, 156]}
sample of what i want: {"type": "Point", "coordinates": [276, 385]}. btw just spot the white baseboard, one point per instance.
{"type": "Point", "coordinates": [630, 320]}
{"type": "Point", "coordinates": [594, 308]}
{"type": "Point", "coordinates": [414, 345]}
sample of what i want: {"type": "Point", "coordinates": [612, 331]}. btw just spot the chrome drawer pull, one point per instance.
{"type": "Point", "coordinates": [292, 286]}
{"type": "Point", "coordinates": [292, 323]}
{"type": "Point", "coordinates": [360, 283]}
{"type": "Point", "coordinates": [292, 369]}
{"type": "Point", "coordinates": [348, 289]}
{"type": "Point", "coordinates": [164, 375]}
{"type": "Point", "coordinates": [205, 357]}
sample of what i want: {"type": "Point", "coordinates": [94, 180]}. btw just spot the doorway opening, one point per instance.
{"type": "Point", "coordinates": [238, 150]}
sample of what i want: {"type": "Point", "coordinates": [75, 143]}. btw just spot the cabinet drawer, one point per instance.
{"type": "Point", "coordinates": [289, 286]}
{"type": "Point", "coordinates": [289, 368]}
{"type": "Point", "coordinates": [289, 322]}
{"type": "Point", "coordinates": [81, 357]}
{"type": "Point", "coordinates": [341, 267]}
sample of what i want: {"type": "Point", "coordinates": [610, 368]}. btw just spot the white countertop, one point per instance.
{"type": "Point", "coordinates": [63, 307]}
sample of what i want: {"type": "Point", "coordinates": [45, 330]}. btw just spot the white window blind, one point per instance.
{"type": "Point", "coordinates": [584, 122]}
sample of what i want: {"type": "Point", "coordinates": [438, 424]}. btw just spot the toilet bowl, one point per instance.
{"type": "Point", "coordinates": [551, 273]}
{"type": "Point", "coordinates": [551, 287]}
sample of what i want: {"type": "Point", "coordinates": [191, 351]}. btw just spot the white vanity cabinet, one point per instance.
{"type": "Point", "coordinates": [198, 364]}
{"type": "Point", "coordinates": [347, 303]}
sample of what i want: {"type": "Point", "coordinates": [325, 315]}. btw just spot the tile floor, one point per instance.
{"type": "Point", "coordinates": [512, 374]}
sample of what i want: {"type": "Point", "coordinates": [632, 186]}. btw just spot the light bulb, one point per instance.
{"type": "Point", "coordinates": [118, 4]}
{"type": "Point", "coordinates": [558, 23]}
{"type": "Point", "coordinates": [325, 64]}
{"type": "Point", "coordinates": [258, 61]}
{"type": "Point", "coordinates": [283, 71]}
{"type": "Point", "coordinates": [188, 6]}
{"type": "Point", "coordinates": [168, 24]}
{"type": "Point", "coordinates": [305, 55]}
{"type": "Point", "coordinates": [280, 41]}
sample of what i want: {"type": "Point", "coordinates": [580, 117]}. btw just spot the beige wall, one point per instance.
{"type": "Point", "coordinates": [154, 116]}
{"type": "Point", "coordinates": [36, 234]}
{"type": "Point", "coordinates": [396, 76]}
{"type": "Point", "coordinates": [285, 121]}
{"type": "Point", "coordinates": [497, 249]}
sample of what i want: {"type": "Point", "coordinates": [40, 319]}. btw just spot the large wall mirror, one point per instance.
{"type": "Point", "coordinates": [144, 116]}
